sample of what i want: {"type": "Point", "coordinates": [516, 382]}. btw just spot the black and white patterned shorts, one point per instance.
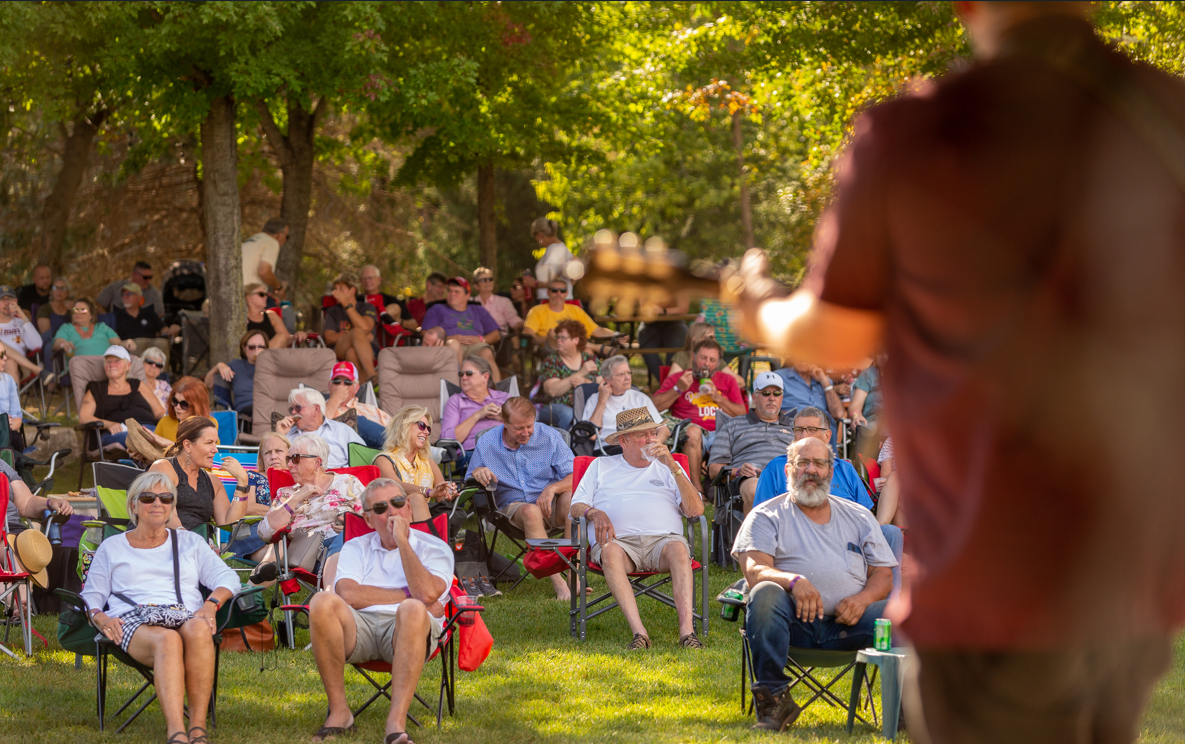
{"type": "Point", "coordinates": [163, 616]}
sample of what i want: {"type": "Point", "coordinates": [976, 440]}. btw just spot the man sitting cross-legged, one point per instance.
{"type": "Point", "coordinates": [387, 603]}
{"type": "Point", "coordinates": [531, 468]}
{"type": "Point", "coordinates": [636, 501]}
{"type": "Point", "coordinates": [819, 571]}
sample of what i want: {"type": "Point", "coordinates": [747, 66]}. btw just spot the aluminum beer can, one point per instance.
{"type": "Point", "coordinates": [731, 612]}
{"type": "Point", "coordinates": [882, 634]}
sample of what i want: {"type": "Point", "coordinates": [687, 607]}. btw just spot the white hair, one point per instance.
{"type": "Point", "coordinates": [153, 353]}
{"type": "Point", "coordinates": [613, 363]}
{"type": "Point", "coordinates": [145, 484]}
{"type": "Point", "coordinates": [308, 396]}
{"type": "Point", "coordinates": [310, 444]}
{"type": "Point", "coordinates": [377, 485]}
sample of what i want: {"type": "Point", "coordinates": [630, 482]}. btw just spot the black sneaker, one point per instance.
{"type": "Point", "coordinates": [264, 573]}
{"type": "Point", "coordinates": [469, 584]}
{"type": "Point", "coordinates": [487, 587]}
{"type": "Point", "coordinates": [774, 712]}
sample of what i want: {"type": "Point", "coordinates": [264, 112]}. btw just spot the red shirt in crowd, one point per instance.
{"type": "Point", "coordinates": [697, 406]}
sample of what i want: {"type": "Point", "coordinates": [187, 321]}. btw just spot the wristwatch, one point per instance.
{"type": "Point", "coordinates": [244, 488]}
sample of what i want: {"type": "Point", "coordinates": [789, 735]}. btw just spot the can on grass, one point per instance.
{"type": "Point", "coordinates": [882, 634]}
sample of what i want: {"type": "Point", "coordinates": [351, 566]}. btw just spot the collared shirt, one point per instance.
{"type": "Point", "coordinates": [338, 436]}
{"type": "Point", "coordinates": [523, 473]}
{"type": "Point", "coordinates": [460, 407]}
{"type": "Point", "coordinates": [749, 439]}
{"type": "Point", "coordinates": [365, 560]}
{"type": "Point", "coordinates": [799, 393]}
{"type": "Point", "coordinates": [501, 309]}
{"type": "Point", "coordinates": [845, 483]}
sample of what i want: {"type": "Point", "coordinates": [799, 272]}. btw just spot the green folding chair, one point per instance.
{"type": "Point", "coordinates": [361, 455]}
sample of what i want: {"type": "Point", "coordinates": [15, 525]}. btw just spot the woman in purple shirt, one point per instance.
{"type": "Point", "coordinates": [475, 408]}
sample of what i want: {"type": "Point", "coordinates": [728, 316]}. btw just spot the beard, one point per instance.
{"type": "Point", "coordinates": [809, 490]}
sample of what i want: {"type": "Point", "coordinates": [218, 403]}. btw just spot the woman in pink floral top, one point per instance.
{"type": "Point", "coordinates": [316, 504]}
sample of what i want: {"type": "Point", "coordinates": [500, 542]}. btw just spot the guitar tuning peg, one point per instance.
{"type": "Point", "coordinates": [604, 238]}
{"type": "Point", "coordinates": [655, 247]}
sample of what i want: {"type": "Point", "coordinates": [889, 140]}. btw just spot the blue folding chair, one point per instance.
{"type": "Point", "coordinates": [228, 426]}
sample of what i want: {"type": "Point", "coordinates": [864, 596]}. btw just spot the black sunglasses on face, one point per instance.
{"type": "Point", "coordinates": [341, 381]}
{"type": "Point", "coordinates": [381, 507]}
{"type": "Point", "coordinates": [423, 426]}
{"type": "Point", "coordinates": [256, 347]}
{"type": "Point", "coordinates": [158, 365]}
{"type": "Point", "coordinates": [557, 290]}
{"type": "Point", "coordinates": [295, 459]}
{"type": "Point", "coordinates": [258, 294]}
{"type": "Point", "coordinates": [485, 279]}
{"type": "Point", "coordinates": [469, 372]}
{"type": "Point", "coordinates": [294, 409]}
{"type": "Point", "coordinates": [182, 404]}
{"type": "Point", "coordinates": [770, 393]}
{"type": "Point", "coordinates": [148, 498]}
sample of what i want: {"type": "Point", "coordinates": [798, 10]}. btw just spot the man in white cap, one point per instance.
{"type": "Point", "coordinates": [746, 444]}
{"type": "Point", "coordinates": [636, 502]}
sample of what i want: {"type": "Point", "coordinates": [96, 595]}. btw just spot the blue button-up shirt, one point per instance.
{"type": "Point", "coordinates": [799, 393]}
{"type": "Point", "coordinates": [522, 473]}
{"type": "Point", "coordinates": [845, 483]}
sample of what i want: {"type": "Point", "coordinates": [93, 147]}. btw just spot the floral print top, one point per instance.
{"type": "Point", "coordinates": [553, 367]}
{"type": "Point", "coordinates": [319, 513]}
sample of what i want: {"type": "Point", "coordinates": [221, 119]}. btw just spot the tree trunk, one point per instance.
{"type": "Point", "coordinates": [487, 228]}
{"type": "Point", "coordinates": [55, 216]}
{"type": "Point", "coordinates": [739, 145]}
{"type": "Point", "coordinates": [224, 254]}
{"type": "Point", "coordinates": [296, 153]}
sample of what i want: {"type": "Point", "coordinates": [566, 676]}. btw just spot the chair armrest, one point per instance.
{"type": "Point", "coordinates": [42, 463]}
{"type": "Point", "coordinates": [89, 426]}
{"type": "Point", "coordinates": [552, 543]}
{"type": "Point", "coordinates": [253, 519]}
{"type": "Point", "coordinates": [234, 598]}
{"type": "Point", "coordinates": [453, 451]}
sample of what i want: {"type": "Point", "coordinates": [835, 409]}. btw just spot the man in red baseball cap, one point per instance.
{"type": "Point", "coordinates": [469, 328]}
{"type": "Point", "coordinates": [343, 396]}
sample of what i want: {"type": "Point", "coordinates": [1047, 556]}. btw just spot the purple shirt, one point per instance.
{"type": "Point", "coordinates": [474, 320]}
{"type": "Point", "coordinates": [460, 407]}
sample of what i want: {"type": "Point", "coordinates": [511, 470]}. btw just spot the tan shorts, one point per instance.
{"type": "Point", "coordinates": [557, 519]}
{"type": "Point", "coordinates": [644, 550]}
{"type": "Point", "coordinates": [375, 633]}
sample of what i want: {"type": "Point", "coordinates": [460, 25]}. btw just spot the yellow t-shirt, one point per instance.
{"type": "Point", "coordinates": [167, 428]}
{"type": "Point", "coordinates": [542, 319]}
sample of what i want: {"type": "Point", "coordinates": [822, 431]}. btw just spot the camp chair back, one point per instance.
{"type": "Point", "coordinates": [803, 665]}
{"type": "Point", "coordinates": [575, 553]}
{"type": "Point", "coordinates": [12, 580]}
{"type": "Point", "coordinates": [411, 375]}
{"type": "Point", "coordinates": [195, 340]}
{"type": "Point", "coordinates": [83, 371]}
{"type": "Point", "coordinates": [280, 371]}
{"type": "Point", "coordinates": [228, 426]}
{"type": "Point", "coordinates": [445, 648]}
{"type": "Point", "coordinates": [360, 454]}
{"type": "Point", "coordinates": [229, 617]}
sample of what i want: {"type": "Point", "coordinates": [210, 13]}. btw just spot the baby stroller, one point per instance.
{"type": "Point", "coordinates": [184, 290]}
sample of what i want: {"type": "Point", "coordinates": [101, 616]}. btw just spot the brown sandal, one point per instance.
{"type": "Point", "coordinates": [639, 642]}
{"type": "Point", "coordinates": [399, 737]}
{"type": "Point", "coordinates": [691, 640]}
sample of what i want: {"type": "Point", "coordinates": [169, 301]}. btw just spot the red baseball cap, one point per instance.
{"type": "Point", "coordinates": [460, 281]}
{"type": "Point", "coordinates": [345, 369]}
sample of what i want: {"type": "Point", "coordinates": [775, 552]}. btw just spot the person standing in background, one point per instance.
{"type": "Point", "coordinates": [260, 253]}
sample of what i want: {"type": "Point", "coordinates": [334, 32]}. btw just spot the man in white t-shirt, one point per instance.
{"type": "Point", "coordinates": [614, 395]}
{"type": "Point", "coordinates": [636, 502]}
{"type": "Point", "coordinates": [260, 253]}
{"type": "Point", "coordinates": [387, 603]}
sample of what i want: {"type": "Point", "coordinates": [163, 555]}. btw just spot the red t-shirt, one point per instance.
{"type": "Point", "coordinates": [697, 406]}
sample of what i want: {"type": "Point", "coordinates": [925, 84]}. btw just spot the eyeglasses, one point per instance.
{"type": "Point", "coordinates": [557, 290]}
{"type": "Point", "coordinates": [295, 409]}
{"type": "Point", "coordinates": [423, 426]}
{"type": "Point", "coordinates": [148, 498]}
{"type": "Point", "coordinates": [180, 403]}
{"type": "Point", "coordinates": [257, 294]}
{"type": "Point", "coordinates": [800, 430]}
{"type": "Point", "coordinates": [256, 347]}
{"type": "Point", "coordinates": [802, 462]}
{"type": "Point", "coordinates": [341, 381]}
{"type": "Point", "coordinates": [563, 338]}
{"type": "Point", "coordinates": [381, 507]}
{"type": "Point", "coordinates": [158, 365]}
{"type": "Point", "coordinates": [60, 288]}
{"type": "Point", "coordinates": [295, 459]}
{"type": "Point", "coordinates": [770, 393]}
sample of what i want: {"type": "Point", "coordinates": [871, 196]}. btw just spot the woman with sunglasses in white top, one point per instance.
{"type": "Point", "coordinates": [405, 458]}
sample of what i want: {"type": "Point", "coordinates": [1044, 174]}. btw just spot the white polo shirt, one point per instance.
{"type": "Point", "coordinates": [366, 561]}
{"type": "Point", "coordinates": [338, 436]}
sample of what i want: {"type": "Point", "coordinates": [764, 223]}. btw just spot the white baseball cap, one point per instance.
{"type": "Point", "coordinates": [118, 351]}
{"type": "Point", "coordinates": [766, 379]}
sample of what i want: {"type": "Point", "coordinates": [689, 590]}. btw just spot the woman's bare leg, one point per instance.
{"type": "Point", "coordinates": [163, 650]}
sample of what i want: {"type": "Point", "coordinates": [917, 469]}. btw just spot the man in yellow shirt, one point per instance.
{"type": "Point", "coordinates": [542, 319]}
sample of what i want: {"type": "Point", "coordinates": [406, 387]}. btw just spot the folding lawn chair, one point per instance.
{"type": "Point", "coordinates": [228, 426]}
{"type": "Point", "coordinates": [411, 375]}
{"type": "Point", "coordinates": [83, 371]}
{"type": "Point", "coordinates": [575, 554]}
{"type": "Point", "coordinates": [803, 665]}
{"type": "Point", "coordinates": [240, 610]}
{"type": "Point", "coordinates": [22, 463]}
{"type": "Point", "coordinates": [445, 647]}
{"type": "Point", "coordinates": [13, 579]}
{"type": "Point", "coordinates": [277, 373]}
{"type": "Point", "coordinates": [195, 341]}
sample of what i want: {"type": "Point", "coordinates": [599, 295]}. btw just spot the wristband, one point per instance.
{"type": "Point", "coordinates": [792, 583]}
{"type": "Point", "coordinates": [216, 603]}
{"type": "Point", "coordinates": [237, 499]}
{"type": "Point", "coordinates": [829, 388]}
{"type": "Point", "coordinates": [288, 508]}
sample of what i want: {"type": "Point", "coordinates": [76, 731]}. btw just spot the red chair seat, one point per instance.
{"type": "Point", "coordinates": [596, 568]}
{"type": "Point", "coordinates": [9, 578]}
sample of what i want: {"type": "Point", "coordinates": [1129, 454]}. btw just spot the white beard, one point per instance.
{"type": "Point", "coordinates": [810, 491]}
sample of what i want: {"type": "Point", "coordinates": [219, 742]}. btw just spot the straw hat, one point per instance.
{"type": "Point", "coordinates": [34, 553]}
{"type": "Point", "coordinates": [633, 419]}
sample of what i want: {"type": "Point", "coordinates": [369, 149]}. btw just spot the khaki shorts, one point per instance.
{"type": "Point", "coordinates": [644, 550]}
{"type": "Point", "coordinates": [468, 351]}
{"type": "Point", "coordinates": [375, 633]}
{"type": "Point", "coordinates": [557, 519]}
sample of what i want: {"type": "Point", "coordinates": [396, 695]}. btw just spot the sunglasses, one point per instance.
{"type": "Point", "coordinates": [341, 381]}
{"type": "Point", "coordinates": [180, 403]}
{"type": "Point", "coordinates": [470, 372]}
{"type": "Point", "coordinates": [81, 310]}
{"type": "Point", "coordinates": [158, 365]}
{"type": "Point", "coordinates": [295, 409]}
{"type": "Point", "coordinates": [770, 393]}
{"type": "Point", "coordinates": [382, 506]}
{"type": "Point", "coordinates": [257, 294]}
{"type": "Point", "coordinates": [146, 277]}
{"type": "Point", "coordinates": [484, 280]}
{"type": "Point", "coordinates": [423, 426]}
{"type": "Point", "coordinates": [148, 498]}
{"type": "Point", "coordinates": [255, 347]}
{"type": "Point", "coordinates": [295, 459]}
{"type": "Point", "coordinates": [557, 290]}
{"type": "Point", "coordinates": [60, 289]}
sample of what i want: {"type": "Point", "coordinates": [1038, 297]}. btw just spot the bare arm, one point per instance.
{"type": "Point", "coordinates": [361, 596]}
{"type": "Point", "coordinates": [358, 320]}
{"type": "Point", "coordinates": [663, 401]}
{"type": "Point", "coordinates": [158, 411]}
{"type": "Point", "coordinates": [281, 337]}
{"type": "Point", "coordinates": [493, 337]}
{"type": "Point", "coordinates": [267, 274]}
{"type": "Point", "coordinates": [856, 408]}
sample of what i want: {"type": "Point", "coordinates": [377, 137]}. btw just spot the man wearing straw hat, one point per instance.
{"type": "Point", "coordinates": [636, 502]}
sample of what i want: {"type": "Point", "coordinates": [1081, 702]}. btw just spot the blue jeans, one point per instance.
{"type": "Point", "coordinates": [556, 414]}
{"type": "Point", "coordinates": [896, 540]}
{"type": "Point", "coordinates": [773, 628]}
{"type": "Point", "coordinates": [371, 432]}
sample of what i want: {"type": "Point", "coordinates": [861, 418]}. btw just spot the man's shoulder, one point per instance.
{"type": "Point", "coordinates": [851, 511]}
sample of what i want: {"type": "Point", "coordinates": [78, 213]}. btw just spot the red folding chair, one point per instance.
{"type": "Point", "coordinates": [575, 553]}
{"type": "Point", "coordinates": [445, 647]}
{"type": "Point", "coordinates": [291, 580]}
{"type": "Point", "coordinates": [12, 580]}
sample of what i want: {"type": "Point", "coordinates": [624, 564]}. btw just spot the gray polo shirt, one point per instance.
{"type": "Point", "coordinates": [749, 439]}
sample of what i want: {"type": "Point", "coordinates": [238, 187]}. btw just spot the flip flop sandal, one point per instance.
{"type": "Point", "coordinates": [202, 738]}
{"type": "Point", "coordinates": [325, 733]}
{"type": "Point", "coordinates": [174, 740]}
{"type": "Point", "coordinates": [399, 737]}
